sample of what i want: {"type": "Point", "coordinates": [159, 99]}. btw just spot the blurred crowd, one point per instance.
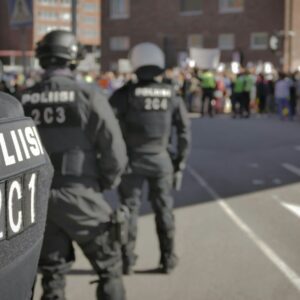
{"type": "Point", "coordinates": [239, 94]}
{"type": "Point", "coordinates": [204, 91]}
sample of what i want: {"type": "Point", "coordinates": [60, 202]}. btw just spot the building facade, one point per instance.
{"type": "Point", "coordinates": [239, 28]}
{"type": "Point", "coordinates": [57, 14]}
{"type": "Point", "coordinates": [47, 16]}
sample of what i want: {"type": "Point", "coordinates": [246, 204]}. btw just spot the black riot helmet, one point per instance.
{"type": "Point", "coordinates": [59, 48]}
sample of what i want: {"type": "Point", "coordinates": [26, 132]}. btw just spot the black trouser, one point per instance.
{"type": "Point", "coordinates": [262, 104]}
{"type": "Point", "coordinates": [207, 94]}
{"type": "Point", "coordinates": [237, 98]}
{"type": "Point", "coordinates": [162, 204]}
{"type": "Point", "coordinates": [80, 214]}
{"type": "Point", "coordinates": [246, 103]}
{"type": "Point", "coordinates": [293, 105]}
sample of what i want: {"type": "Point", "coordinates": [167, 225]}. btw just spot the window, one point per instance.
{"type": "Point", "coordinates": [48, 2]}
{"type": "Point", "coordinates": [66, 2]}
{"type": "Point", "coordinates": [67, 28]}
{"type": "Point", "coordinates": [114, 66]}
{"type": "Point", "coordinates": [47, 15]}
{"type": "Point", "coordinates": [47, 28]}
{"type": "Point", "coordinates": [89, 34]}
{"type": "Point", "coordinates": [42, 29]}
{"type": "Point", "coordinates": [55, 2]}
{"type": "Point", "coordinates": [119, 43]}
{"type": "Point", "coordinates": [191, 6]}
{"type": "Point", "coordinates": [195, 41]}
{"type": "Point", "coordinates": [65, 16]}
{"type": "Point", "coordinates": [226, 41]}
{"type": "Point", "coordinates": [89, 20]}
{"type": "Point", "coordinates": [119, 9]}
{"type": "Point", "coordinates": [90, 6]}
{"type": "Point", "coordinates": [231, 6]}
{"type": "Point", "coordinates": [259, 41]}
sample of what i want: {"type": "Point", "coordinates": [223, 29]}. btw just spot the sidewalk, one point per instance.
{"type": "Point", "coordinates": [144, 283]}
{"type": "Point", "coordinates": [217, 259]}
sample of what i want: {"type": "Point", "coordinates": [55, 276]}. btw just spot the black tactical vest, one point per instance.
{"type": "Point", "coordinates": [148, 119]}
{"type": "Point", "coordinates": [60, 109]}
{"type": "Point", "coordinates": [25, 177]}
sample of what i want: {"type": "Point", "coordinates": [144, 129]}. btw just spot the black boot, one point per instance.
{"type": "Point", "coordinates": [128, 263]}
{"type": "Point", "coordinates": [168, 262]}
{"type": "Point", "coordinates": [111, 289]}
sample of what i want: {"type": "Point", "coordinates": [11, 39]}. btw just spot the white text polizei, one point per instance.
{"type": "Point", "coordinates": [153, 92]}
{"type": "Point", "coordinates": [49, 97]}
{"type": "Point", "coordinates": [26, 145]}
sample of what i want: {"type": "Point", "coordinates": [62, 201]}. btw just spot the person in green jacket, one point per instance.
{"type": "Point", "coordinates": [208, 85]}
{"type": "Point", "coordinates": [248, 85]}
{"type": "Point", "coordinates": [237, 97]}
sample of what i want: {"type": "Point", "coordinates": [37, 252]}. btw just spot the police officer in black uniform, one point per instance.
{"type": "Point", "coordinates": [25, 178]}
{"type": "Point", "coordinates": [84, 141]}
{"type": "Point", "coordinates": [147, 111]}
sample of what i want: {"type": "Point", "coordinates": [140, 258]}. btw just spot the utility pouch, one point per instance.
{"type": "Point", "coordinates": [72, 163]}
{"type": "Point", "coordinates": [120, 224]}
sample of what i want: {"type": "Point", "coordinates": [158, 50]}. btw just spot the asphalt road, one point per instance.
{"type": "Point", "coordinates": [237, 218]}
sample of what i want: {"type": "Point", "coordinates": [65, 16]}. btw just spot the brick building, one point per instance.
{"type": "Point", "coordinates": [239, 28]}
{"type": "Point", "coordinates": [48, 15]}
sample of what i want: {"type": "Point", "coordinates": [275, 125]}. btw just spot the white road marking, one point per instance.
{"type": "Point", "coordinates": [254, 165]}
{"type": "Point", "coordinates": [258, 182]}
{"type": "Point", "coordinates": [194, 115]}
{"type": "Point", "coordinates": [287, 271]}
{"type": "Point", "coordinates": [295, 170]}
{"type": "Point", "coordinates": [276, 197]}
{"type": "Point", "coordinates": [276, 181]}
{"type": "Point", "coordinates": [295, 209]}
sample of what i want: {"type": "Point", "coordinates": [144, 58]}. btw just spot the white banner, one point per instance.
{"type": "Point", "coordinates": [205, 58]}
{"type": "Point", "coordinates": [124, 66]}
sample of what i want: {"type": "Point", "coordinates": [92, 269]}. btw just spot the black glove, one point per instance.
{"type": "Point", "coordinates": [178, 165]}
